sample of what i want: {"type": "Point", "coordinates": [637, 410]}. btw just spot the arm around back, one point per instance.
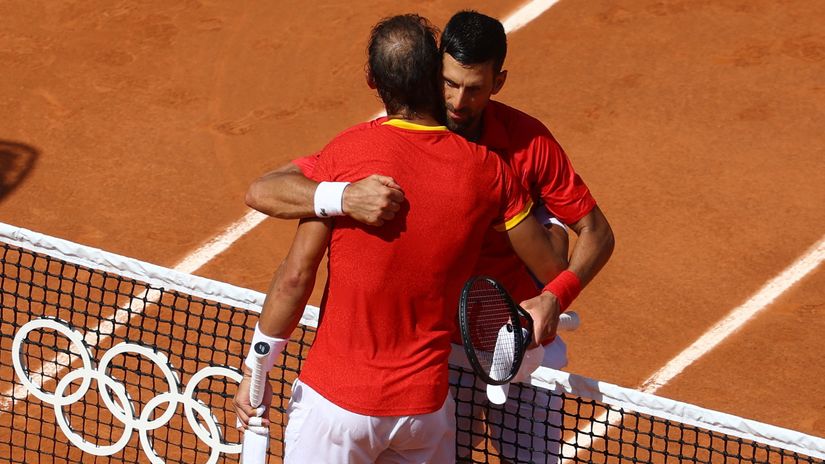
{"type": "Point", "coordinates": [286, 193]}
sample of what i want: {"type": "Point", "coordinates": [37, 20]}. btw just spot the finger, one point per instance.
{"type": "Point", "coordinates": [262, 431]}
{"type": "Point", "coordinates": [538, 333]}
{"type": "Point", "coordinates": [388, 181]}
{"type": "Point", "coordinates": [256, 421]}
{"type": "Point", "coordinates": [245, 411]}
{"type": "Point", "coordinates": [243, 417]}
{"type": "Point", "coordinates": [396, 195]}
{"type": "Point", "coordinates": [392, 206]}
{"type": "Point", "coordinates": [539, 326]}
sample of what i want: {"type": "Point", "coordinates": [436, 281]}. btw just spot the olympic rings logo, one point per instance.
{"type": "Point", "coordinates": [122, 407]}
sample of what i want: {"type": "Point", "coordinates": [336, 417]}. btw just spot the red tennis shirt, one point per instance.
{"type": "Point", "coordinates": [389, 307]}
{"type": "Point", "coordinates": [535, 156]}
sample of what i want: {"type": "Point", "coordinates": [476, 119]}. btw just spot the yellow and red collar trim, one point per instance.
{"type": "Point", "coordinates": [403, 124]}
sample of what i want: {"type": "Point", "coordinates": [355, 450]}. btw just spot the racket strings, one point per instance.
{"type": "Point", "coordinates": [493, 337]}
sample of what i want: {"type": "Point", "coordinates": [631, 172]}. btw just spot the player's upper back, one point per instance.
{"type": "Point", "coordinates": [454, 190]}
{"type": "Point", "coordinates": [392, 292]}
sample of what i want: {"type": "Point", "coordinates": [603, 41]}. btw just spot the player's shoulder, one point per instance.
{"type": "Point", "coordinates": [360, 129]}
{"type": "Point", "coordinates": [483, 157]}
{"type": "Point", "coordinates": [518, 122]}
{"type": "Point", "coordinates": [357, 137]}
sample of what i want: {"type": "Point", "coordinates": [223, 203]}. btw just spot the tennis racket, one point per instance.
{"type": "Point", "coordinates": [495, 331]}
{"type": "Point", "coordinates": [256, 437]}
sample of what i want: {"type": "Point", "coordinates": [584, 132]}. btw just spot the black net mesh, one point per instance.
{"type": "Point", "coordinates": [134, 373]}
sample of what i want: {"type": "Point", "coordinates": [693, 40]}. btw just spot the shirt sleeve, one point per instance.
{"type": "Point", "coordinates": [561, 190]}
{"type": "Point", "coordinates": [307, 163]}
{"type": "Point", "coordinates": [330, 163]}
{"type": "Point", "coordinates": [325, 167]}
{"type": "Point", "coordinates": [515, 201]}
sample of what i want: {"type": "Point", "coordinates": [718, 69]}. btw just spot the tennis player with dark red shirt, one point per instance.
{"type": "Point", "coordinates": [374, 387]}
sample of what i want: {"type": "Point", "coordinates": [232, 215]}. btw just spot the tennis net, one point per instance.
{"type": "Point", "coordinates": [107, 359]}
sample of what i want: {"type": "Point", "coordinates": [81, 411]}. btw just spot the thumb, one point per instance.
{"type": "Point", "coordinates": [387, 181]}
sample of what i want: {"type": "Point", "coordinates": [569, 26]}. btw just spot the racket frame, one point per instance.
{"type": "Point", "coordinates": [521, 340]}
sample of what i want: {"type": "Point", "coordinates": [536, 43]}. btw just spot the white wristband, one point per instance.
{"type": "Point", "coordinates": [276, 345]}
{"type": "Point", "coordinates": [329, 199]}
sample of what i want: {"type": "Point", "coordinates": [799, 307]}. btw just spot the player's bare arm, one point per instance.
{"type": "Point", "coordinates": [533, 245]}
{"type": "Point", "coordinates": [283, 193]}
{"type": "Point", "coordinates": [557, 233]}
{"type": "Point", "coordinates": [561, 243]}
{"type": "Point", "coordinates": [286, 299]}
{"type": "Point", "coordinates": [591, 252]}
{"type": "Point", "coordinates": [286, 193]}
{"type": "Point", "coordinates": [593, 247]}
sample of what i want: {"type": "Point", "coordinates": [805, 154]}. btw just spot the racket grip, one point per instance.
{"type": "Point", "coordinates": [569, 321]}
{"type": "Point", "coordinates": [259, 377]}
{"type": "Point", "coordinates": [256, 446]}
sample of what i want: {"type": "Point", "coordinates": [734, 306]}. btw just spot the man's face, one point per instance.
{"type": "Point", "coordinates": [467, 89]}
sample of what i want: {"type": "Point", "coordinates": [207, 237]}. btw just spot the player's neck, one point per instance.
{"type": "Point", "coordinates": [473, 133]}
{"type": "Point", "coordinates": [416, 118]}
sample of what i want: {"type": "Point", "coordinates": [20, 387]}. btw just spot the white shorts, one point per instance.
{"type": "Point", "coordinates": [519, 433]}
{"type": "Point", "coordinates": [319, 431]}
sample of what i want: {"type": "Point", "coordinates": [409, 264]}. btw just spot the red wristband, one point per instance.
{"type": "Point", "coordinates": [566, 287]}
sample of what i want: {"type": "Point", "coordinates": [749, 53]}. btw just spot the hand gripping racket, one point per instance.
{"type": "Point", "coordinates": [256, 437]}
{"type": "Point", "coordinates": [496, 332]}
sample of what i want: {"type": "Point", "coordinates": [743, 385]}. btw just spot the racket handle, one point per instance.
{"type": "Point", "coordinates": [256, 446]}
{"type": "Point", "coordinates": [503, 354]}
{"type": "Point", "coordinates": [569, 321]}
{"type": "Point", "coordinates": [259, 377]}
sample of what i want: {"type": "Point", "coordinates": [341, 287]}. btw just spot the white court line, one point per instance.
{"type": "Point", "coordinates": [526, 14]}
{"type": "Point", "coordinates": [221, 242]}
{"type": "Point", "coordinates": [738, 316]}
{"type": "Point", "coordinates": [735, 319]}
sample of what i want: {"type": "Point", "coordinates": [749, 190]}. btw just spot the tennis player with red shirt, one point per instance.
{"type": "Point", "coordinates": [474, 47]}
{"type": "Point", "coordinates": [374, 387]}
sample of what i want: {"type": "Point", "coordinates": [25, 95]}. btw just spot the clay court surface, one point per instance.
{"type": "Point", "coordinates": [136, 127]}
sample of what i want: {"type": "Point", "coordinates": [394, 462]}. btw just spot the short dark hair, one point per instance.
{"type": "Point", "coordinates": [405, 64]}
{"type": "Point", "coordinates": [474, 38]}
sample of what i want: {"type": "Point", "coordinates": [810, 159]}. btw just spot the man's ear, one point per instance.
{"type": "Point", "coordinates": [370, 79]}
{"type": "Point", "coordinates": [499, 81]}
